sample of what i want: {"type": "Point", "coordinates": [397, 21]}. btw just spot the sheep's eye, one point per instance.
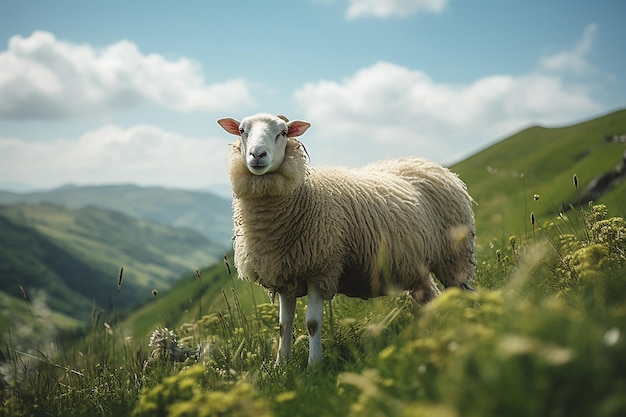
{"type": "Point", "coordinates": [283, 134]}
{"type": "Point", "coordinates": [241, 130]}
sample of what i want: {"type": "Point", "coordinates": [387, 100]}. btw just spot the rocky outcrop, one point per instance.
{"type": "Point", "coordinates": [621, 138]}
{"type": "Point", "coordinates": [604, 182]}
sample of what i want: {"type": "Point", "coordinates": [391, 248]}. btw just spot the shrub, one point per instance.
{"type": "Point", "coordinates": [183, 395]}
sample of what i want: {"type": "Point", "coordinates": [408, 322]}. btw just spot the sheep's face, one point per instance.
{"type": "Point", "coordinates": [263, 139]}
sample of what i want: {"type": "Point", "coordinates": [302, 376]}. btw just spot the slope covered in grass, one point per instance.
{"type": "Point", "coordinates": [504, 177]}
{"type": "Point", "coordinates": [197, 294]}
{"type": "Point", "coordinates": [544, 335]}
{"type": "Point", "coordinates": [31, 265]}
{"type": "Point", "coordinates": [70, 260]}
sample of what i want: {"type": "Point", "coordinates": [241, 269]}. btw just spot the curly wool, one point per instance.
{"type": "Point", "coordinates": [361, 232]}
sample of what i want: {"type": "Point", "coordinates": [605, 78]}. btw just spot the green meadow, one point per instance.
{"type": "Point", "coordinates": [545, 334]}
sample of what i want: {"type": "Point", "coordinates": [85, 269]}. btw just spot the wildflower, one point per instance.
{"type": "Point", "coordinates": [161, 337]}
{"type": "Point", "coordinates": [286, 396]}
{"type": "Point", "coordinates": [612, 336]}
{"type": "Point", "coordinates": [166, 345]}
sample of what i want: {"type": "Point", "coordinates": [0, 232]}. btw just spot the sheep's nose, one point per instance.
{"type": "Point", "coordinates": [257, 154]}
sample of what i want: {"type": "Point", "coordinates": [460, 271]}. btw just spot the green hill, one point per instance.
{"type": "Point", "coordinates": [504, 178]}
{"type": "Point", "coordinates": [75, 255]}
{"type": "Point", "coordinates": [191, 298]}
{"type": "Point", "coordinates": [30, 262]}
{"type": "Point", "coordinates": [201, 211]}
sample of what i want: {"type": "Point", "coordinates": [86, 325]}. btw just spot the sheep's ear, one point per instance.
{"type": "Point", "coordinates": [230, 125]}
{"type": "Point", "coordinates": [297, 128]}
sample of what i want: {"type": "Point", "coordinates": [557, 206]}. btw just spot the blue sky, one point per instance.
{"type": "Point", "coordinates": [128, 92]}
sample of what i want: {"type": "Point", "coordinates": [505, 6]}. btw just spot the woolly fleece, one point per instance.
{"type": "Point", "coordinates": [360, 232]}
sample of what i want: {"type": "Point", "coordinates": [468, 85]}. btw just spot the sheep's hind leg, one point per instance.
{"type": "Point", "coordinates": [314, 312]}
{"type": "Point", "coordinates": [286, 316]}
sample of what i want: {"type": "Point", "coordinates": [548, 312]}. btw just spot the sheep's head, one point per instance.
{"type": "Point", "coordinates": [263, 139]}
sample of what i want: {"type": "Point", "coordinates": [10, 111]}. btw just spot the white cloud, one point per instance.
{"type": "Point", "coordinates": [574, 60]}
{"type": "Point", "coordinates": [387, 110]}
{"type": "Point", "coordinates": [43, 77]}
{"type": "Point", "coordinates": [141, 154]}
{"type": "Point", "coordinates": [392, 8]}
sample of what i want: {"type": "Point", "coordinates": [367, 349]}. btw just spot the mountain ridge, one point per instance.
{"type": "Point", "coordinates": [205, 212]}
{"type": "Point", "coordinates": [75, 256]}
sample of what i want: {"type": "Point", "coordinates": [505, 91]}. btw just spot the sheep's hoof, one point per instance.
{"type": "Point", "coordinates": [467, 287]}
{"type": "Point", "coordinates": [315, 363]}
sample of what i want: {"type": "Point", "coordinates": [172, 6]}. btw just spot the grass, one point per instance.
{"type": "Point", "coordinates": [544, 335]}
{"type": "Point", "coordinates": [504, 177]}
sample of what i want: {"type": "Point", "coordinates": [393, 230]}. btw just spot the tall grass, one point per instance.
{"type": "Point", "coordinates": [544, 335]}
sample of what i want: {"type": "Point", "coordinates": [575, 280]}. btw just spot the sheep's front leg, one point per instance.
{"type": "Point", "coordinates": [285, 319]}
{"type": "Point", "coordinates": [314, 312]}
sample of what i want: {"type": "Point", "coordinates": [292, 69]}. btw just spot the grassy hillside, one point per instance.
{"type": "Point", "coordinates": [33, 262]}
{"type": "Point", "coordinates": [504, 177]}
{"type": "Point", "coordinates": [201, 211]}
{"type": "Point", "coordinates": [544, 336]}
{"type": "Point", "coordinates": [191, 298]}
{"type": "Point", "coordinates": [74, 256]}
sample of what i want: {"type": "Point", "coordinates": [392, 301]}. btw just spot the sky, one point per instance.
{"type": "Point", "coordinates": [129, 92]}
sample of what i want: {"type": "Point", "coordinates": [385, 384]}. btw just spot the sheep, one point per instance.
{"type": "Point", "coordinates": [332, 230]}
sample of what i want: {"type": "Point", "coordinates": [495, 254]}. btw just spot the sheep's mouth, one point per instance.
{"type": "Point", "coordinates": [257, 168]}
{"type": "Point", "coordinates": [257, 165]}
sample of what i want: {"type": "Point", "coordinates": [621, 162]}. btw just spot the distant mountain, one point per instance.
{"type": "Point", "coordinates": [75, 256]}
{"type": "Point", "coordinates": [204, 212]}
{"type": "Point", "coordinates": [504, 178]}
